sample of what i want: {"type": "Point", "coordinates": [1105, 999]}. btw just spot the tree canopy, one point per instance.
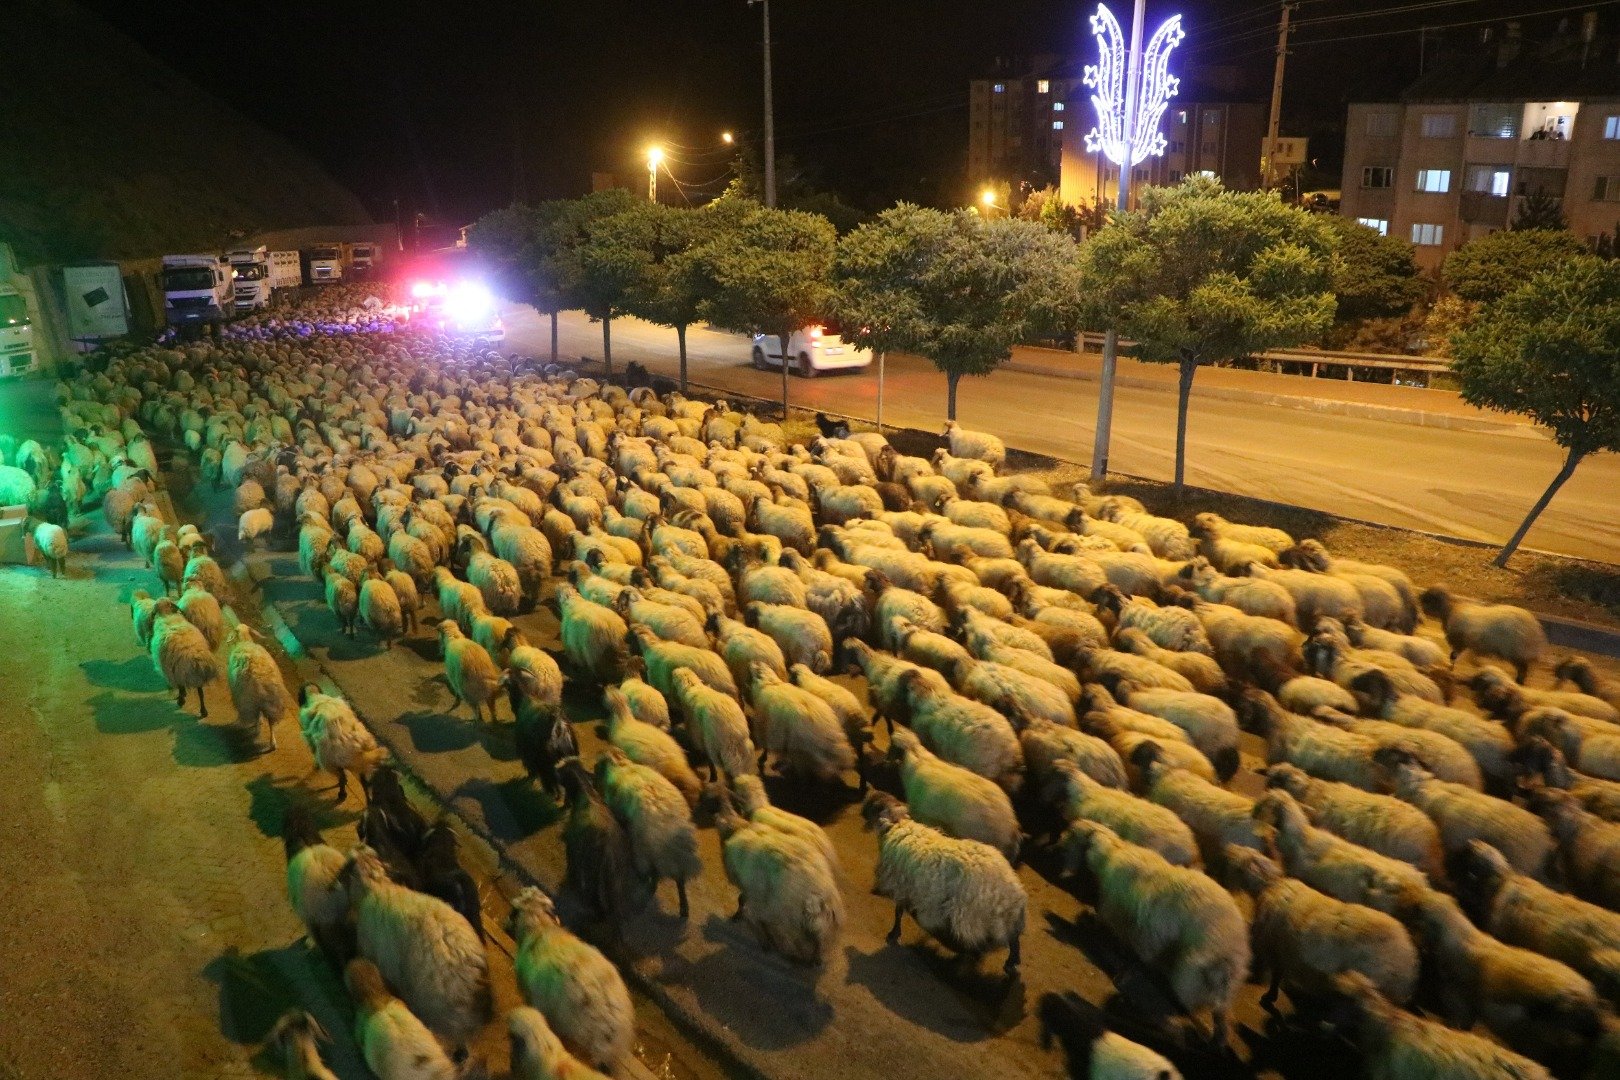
{"type": "Point", "coordinates": [523, 246]}
{"type": "Point", "coordinates": [1201, 275]}
{"type": "Point", "coordinates": [1376, 275]}
{"type": "Point", "coordinates": [1495, 265]}
{"type": "Point", "coordinates": [1550, 350]}
{"type": "Point", "coordinates": [605, 258]}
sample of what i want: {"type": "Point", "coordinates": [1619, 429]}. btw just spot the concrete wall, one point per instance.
{"type": "Point", "coordinates": [289, 239]}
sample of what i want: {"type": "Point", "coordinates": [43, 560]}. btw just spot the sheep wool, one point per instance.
{"type": "Point", "coordinates": [717, 723]}
{"type": "Point", "coordinates": [52, 543]}
{"type": "Point", "coordinates": [656, 818]}
{"type": "Point", "coordinates": [380, 608]}
{"type": "Point", "coordinates": [798, 728]}
{"type": "Point", "coordinates": [257, 688]}
{"type": "Point", "coordinates": [789, 896]}
{"type": "Point", "coordinates": [1380, 823]}
{"type": "Point", "coordinates": [203, 611]}
{"type": "Point", "coordinates": [1396, 1044]}
{"type": "Point", "coordinates": [570, 982]}
{"type": "Point", "coordinates": [952, 799]}
{"type": "Point", "coordinates": [593, 637]}
{"type": "Point", "coordinates": [537, 1053]}
{"type": "Point", "coordinates": [647, 745]}
{"type": "Point", "coordinates": [336, 737]}
{"type": "Point", "coordinates": [395, 1044]}
{"type": "Point", "coordinates": [183, 657]}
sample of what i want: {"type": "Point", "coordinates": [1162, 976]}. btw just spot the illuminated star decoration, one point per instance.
{"type": "Point", "coordinates": [1117, 136]}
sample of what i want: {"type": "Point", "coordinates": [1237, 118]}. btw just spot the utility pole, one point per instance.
{"type": "Point", "coordinates": [770, 120]}
{"type": "Point", "coordinates": [1268, 159]}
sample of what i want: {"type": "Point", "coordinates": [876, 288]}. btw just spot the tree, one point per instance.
{"type": "Point", "coordinates": [1047, 207]}
{"type": "Point", "coordinates": [1498, 263]}
{"type": "Point", "coordinates": [670, 292]}
{"type": "Point", "coordinates": [1377, 276]}
{"type": "Point", "coordinates": [604, 262]}
{"type": "Point", "coordinates": [523, 247]}
{"type": "Point", "coordinates": [1538, 211]}
{"type": "Point", "coordinates": [955, 287]}
{"type": "Point", "coordinates": [1201, 275]}
{"type": "Point", "coordinates": [1550, 350]}
{"type": "Point", "coordinates": [766, 272]}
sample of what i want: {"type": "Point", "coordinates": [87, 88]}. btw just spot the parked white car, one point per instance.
{"type": "Point", "coordinates": [811, 350]}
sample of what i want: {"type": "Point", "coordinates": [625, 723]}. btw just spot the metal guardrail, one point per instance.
{"type": "Point", "coordinates": [1428, 365]}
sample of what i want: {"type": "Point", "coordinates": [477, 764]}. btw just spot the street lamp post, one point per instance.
{"type": "Point", "coordinates": [988, 198]}
{"type": "Point", "coordinates": [770, 120]}
{"type": "Point", "coordinates": [655, 157]}
{"type": "Point", "coordinates": [1132, 88]}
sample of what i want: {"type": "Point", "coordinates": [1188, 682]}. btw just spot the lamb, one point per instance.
{"type": "Point", "coordinates": [1094, 1052]}
{"type": "Point", "coordinates": [470, 672]}
{"type": "Point", "coordinates": [575, 987]}
{"type": "Point", "coordinates": [1463, 815]}
{"type": "Point", "coordinates": [203, 611]}
{"type": "Point", "coordinates": [1209, 723]}
{"type": "Point", "coordinates": [952, 799]}
{"type": "Point", "coordinates": [182, 656]}
{"type": "Point", "coordinates": [257, 688]}
{"type": "Point", "coordinates": [717, 724]}
{"type": "Point", "coordinates": [380, 608]}
{"type": "Point", "coordinates": [52, 543]}
{"type": "Point", "coordinates": [593, 636]}
{"type": "Point", "coordinates": [1489, 744]}
{"type": "Point", "coordinates": [1496, 630]}
{"type": "Point", "coordinates": [656, 819]}
{"type": "Point", "coordinates": [1316, 748]}
{"type": "Point", "coordinates": [802, 635]}
{"type": "Point", "coordinates": [963, 731]}
{"type": "Point", "coordinates": [254, 524]}
{"type": "Point", "coordinates": [295, 1038]}
{"type": "Point", "coordinates": [1331, 864]}
{"type": "Point", "coordinates": [798, 727]}
{"type": "Point", "coordinates": [421, 946]}
{"type": "Point", "coordinates": [1077, 797]}
{"type": "Point", "coordinates": [336, 737]}
{"type": "Point", "coordinates": [1303, 938]}
{"type": "Point", "coordinates": [315, 888]}
{"type": "Point", "coordinates": [961, 892]}
{"type": "Point", "coordinates": [1396, 1044]}
{"type": "Point", "coordinates": [1380, 823]}
{"type": "Point", "coordinates": [1216, 816]}
{"type": "Point", "coordinates": [647, 745]}
{"type": "Point", "coordinates": [1199, 669]}
{"type": "Point", "coordinates": [787, 891]}
{"type": "Point", "coordinates": [406, 595]}
{"type": "Point", "coordinates": [976, 445]}
{"type": "Point", "coordinates": [1173, 918]}
{"type": "Point", "coordinates": [343, 599]}
{"type": "Point", "coordinates": [395, 1044]}
{"type": "Point", "coordinates": [1588, 846]}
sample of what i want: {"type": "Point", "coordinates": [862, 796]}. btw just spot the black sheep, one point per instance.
{"type": "Point", "coordinates": [397, 823]}
{"type": "Point", "coordinates": [600, 872]}
{"type": "Point", "coordinates": [830, 428]}
{"type": "Point", "coordinates": [443, 876]}
{"type": "Point", "coordinates": [543, 735]}
{"type": "Point", "coordinates": [298, 832]}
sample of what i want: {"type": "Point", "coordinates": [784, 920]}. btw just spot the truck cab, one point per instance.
{"type": "Point", "coordinates": [250, 273]}
{"type": "Point", "coordinates": [325, 264]}
{"type": "Point", "coordinates": [197, 290]}
{"type": "Point", "coordinates": [363, 259]}
{"type": "Point", "coordinates": [16, 333]}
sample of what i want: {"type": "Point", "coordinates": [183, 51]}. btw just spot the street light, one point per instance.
{"type": "Point", "coordinates": [987, 197]}
{"type": "Point", "coordinates": [770, 118]}
{"type": "Point", "coordinates": [655, 157]}
{"type": "Point", "coordinates": [725, 137]}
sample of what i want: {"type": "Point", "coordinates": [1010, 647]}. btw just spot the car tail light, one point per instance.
{"type": "Point", "coordinates": [815, 332]}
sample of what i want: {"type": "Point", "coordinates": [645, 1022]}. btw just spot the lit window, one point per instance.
{"type": "Point", "coordinates": [1001, 88]}
{"type": "Point", "coordinates": [1043, 87]}
{"type": "Point", "coordinates": [1378, 225]}
{"type": "Point", "coordinates": [1607, 189]}
{"type": "Point", "coordinates": [1439, 125]}
{"type": "Point", "coordinates": [1490, 179]}
{"type": "Point", "coordinates": [1434, 181]}
{"type": "Point", "coordinates": [1377, 176]}
{"type": "Point", "coordinates": [1611, 127]}
{"type": "Point", "coordinates": [1181, 116]}
{"type": "Point", "coordinates": [1057, 125]}
{"type": "Point", "coordinates": [1428, 235]}
{"type": "Point", "coordinates": [1381, 124]}
{"type": "Point", "coordinates": [1057, 106]}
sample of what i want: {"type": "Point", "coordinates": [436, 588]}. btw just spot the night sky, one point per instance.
{"type": "Point", "coordinates": [455, 108]}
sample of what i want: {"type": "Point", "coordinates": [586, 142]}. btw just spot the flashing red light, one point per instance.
{"type": "Point", "coordinates": [421, 290]}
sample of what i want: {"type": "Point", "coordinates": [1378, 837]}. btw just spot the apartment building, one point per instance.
{"type": "Point", "coordinates": [1016, 125]}
{"type": "Point", "coordinates": [1469, 142]}
{"type": "Point", "coordinates": [1215, 137]}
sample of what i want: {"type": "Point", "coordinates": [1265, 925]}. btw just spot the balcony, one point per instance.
{"type": "Point", "coordinates": [1544, 153]}
{"type": "Point", "coordinates": [1483, 208]}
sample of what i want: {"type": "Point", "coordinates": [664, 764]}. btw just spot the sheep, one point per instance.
{"type": "Point", "coordinates": [897, 607]}
{"type": "Point", "coordinates": [536, 1053]}
{"type": "Point", "coordinates": [1578, 670]}
{"type": "Point", "coordinates": [1590, 745]}
{"type": "Point", "coordinates": [1588, 846]}
{"type": "Point", "coordinates": [253, 524]}
{"type": "Point", "coordinates": [975, 444]}
{"type": "Point", "coordinates": [1303, 938]}
{"type": "Point", "coordinates": [740, 645]}
{"type": "Point", "coordinates": [405, 595]}
{"type": "Point", "coordinates": [295, 1038]}
{"type": "Point", "coordinates": [575, 987]}
{"type": "Point", "coordinates": [421, 946]}
{"type": "Point", "coordinates": [1094, 1052]}
{"type": "Point", "coordinates": [1522, 911]}
{"type": "Point", "coordinates": [1318, 749]}
{"type": "Point", "coordinates": [952, 799]}
{"type": "Point", "coordinates": [1168, 538]}
{"type": "Point", "coordinates": [1045, 743]}
{"type": "Point", "coordinates": [52, 543]}
{"type": "Point", "coordinates": [380, 609]}
{"type": "Point", "coordinates": [336, 737]}
{"type": "Point", "coordinates": [1464, 814]}
{"type": "Point", "coordinates": [469, 671]}
{"type": "Point", "coordinates": [1446, 759]}
{"type": "Point", "coordinates": [800, 729]}
{"type": "Point", "coordinates": [1076, 797]}
{"type": "Point", "coordinates": [599, 869]}
{"type": "Point", "coordinates": [204, 573]}
{"type": "Point", "coordinates": [1199, 669]}
{"type": "Point", "coordinates": [1102, 662]}
{"type": "Point", "coordinates": [170, 565]}
{"type": "Point", "coordinates": [787, 892]}
{"type": "Point", "coordinates": [1489, 744]}
{"type": "Point", "coordinates": [656, 820]}
{"type": "Point", "coordinates": [1252, 596]}
{"type": "Point", "coordinates": [1072, 573]}
{"type": "Point", "coordinates": [996, 683]}
{"type": "Point", "coordinates": [851, 712]}
{"type": "Point", "coordinates": [1209, 723]}
{"type": "Point", "coordinates": [1210, 524]}
{"type": "Point", "coordinates": [1312, 555]}
{"type": "Point", "coordinates": [1332, 864]}
{"type": "Point", "coordinates": [182, 656]}
{"type": "Point", "coordinates": [1544, 761]}
{"type": "Point", "coordinates": [1127, 742]}
{"type": "Point", "coordinates": [662, 658]}
{"type": "Point", "coordinates": [314, 887]}
{"type": "Point", "coordinates": [1232, 556]}
{"type": "Point", "coordinates": [646, 703]}
{"type": "Point", "coordinates": [961, 892]}
{"type": "Point", "coordinates": [963, 732]}
{"type": "Point", "coordinates": [1243, 642]}
{"type": "Point", "coordinates": [203, 611]}
{"type": "Point", "coordinates": [1395, 1044]}
{"type": "Point", "coordinates": [541, 733]}
{"type": "Point", "coordinates": [343, 599]}
{"type": "Point", "coordinates": [981, 632]}
{"type": "Point", "coordinates": [747, 794]}
{"type": "Point", "coordinates": [669, 622]}
{"type": "Point", "coordinates": [394, 1043]}
{"type": "Point", "coordinates": [1215, 816]}
{"type": "Point", "coordinates": [1173, 918]}
{"type": "Point", "coordinates": [718, 726]}
{"type": "Point", "coordinates": [257, 689]}
{"type": "Point", "coordinates": [647, 745]}
{"type": "Point", "coordinates": [1380, 823]}
{"type": "Point", "coordinates": [802, 635]}
{"type": "Point", "coordinates": [1420, 652]}
{"type": "Point", "coordinates": [1495, 630]}
{"type": "Point", "coordinates": [1330, 655]}
{"type": "Point", "coordinates": [593, 636]}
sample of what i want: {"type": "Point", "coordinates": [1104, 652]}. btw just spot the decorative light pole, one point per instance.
{"type": "Point", "coordinates": [1132, 89]}
{"type": "Point", "coordinates": [655, 158]}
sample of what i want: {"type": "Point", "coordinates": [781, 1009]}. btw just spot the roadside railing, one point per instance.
{"type": "Point", "coordinates": [1316, 359]}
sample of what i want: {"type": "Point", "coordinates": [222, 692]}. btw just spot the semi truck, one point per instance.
{"type": "Point", "coordinates": [363, 258]}
{"type": "Point", "coordinates": [286, 270]}
{"type": "Point", "coordinates": [197, 291]}
{"type": "Point", "coordinates": [250, 273]}
{"type": "Point", "coordinates": [325, 263]}
{"type": "Point", "coordinates": [16, 333]}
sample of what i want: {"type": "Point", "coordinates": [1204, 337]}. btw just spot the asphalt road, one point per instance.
{"type": "Point", "coordinates": [1459, 483]}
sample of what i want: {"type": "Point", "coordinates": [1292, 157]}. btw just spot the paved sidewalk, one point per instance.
{"type": "Point", "coordinates": [1380, 401]}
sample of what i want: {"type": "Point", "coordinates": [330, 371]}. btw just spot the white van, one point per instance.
{"type": "Point", "coordinates": [811, 350]}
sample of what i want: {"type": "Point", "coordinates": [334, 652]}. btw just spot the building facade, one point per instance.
{"type": "Point", "coordinates": [1219, 138]}
{"type": "Point", "coordinates": [1465, 148]}
{"type": "Point", "coordinates": [1015, 129]}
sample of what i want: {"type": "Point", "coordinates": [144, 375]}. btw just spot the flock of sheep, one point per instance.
{"type": "Point", "coordinates": [1433, 866]}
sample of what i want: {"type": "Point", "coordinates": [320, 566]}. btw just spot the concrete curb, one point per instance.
{"type": "Point", "coordinates": [1326, 406]}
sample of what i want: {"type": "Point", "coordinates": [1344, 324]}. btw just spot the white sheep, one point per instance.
{"type": "Point", "coordinates": [395, 1044]}
{"type": "Point", "coordinates": [593, 637]}
{"type": "Point", "coordinates": [1094, 1052]}
{"type": "Point", "coordinates": [1217, 817]}
{"type": "Point", "coordinates": [253, 524]}
{"type": "Point", "coordinates": [656, 818]}
{"type": "Point", "coordinates": [336, 737]}
{"type": "Point", "coordinates": [1380, 823]}
{"type": "Point", "coordinates": [787, 891]}
{"type": "Point", "coordinates": [203, 611]}
{"type": "Point", "coordinates": [649, 746]}
{"type": "Point", "coordinates": [471, 674]}
{"type": "Point", "coordinates": [954, 800]}
{"type": "Point", "coordinates": [1463, 814]}
{"type": "Point", "coordinates": [257, 688]}
{"type": "Point", "coordinates": [182, 655]}
{"type": "Point", "coordinates": [1499, 630]}
{"type": "Point", "coordinates": [571, 983]}
{"type": "Point", "coordinates": [751, 801]}
{"type": "Point", "coordinates": [1319, 749]}
{"type": "Point", "coordinates": [143, 611]}
{"type": "Point", "coordinates": [962, 892]}
{"type": "Point", "coordinates": [800, 729]}
{"type": "Point", "coordinates": [170, 565]}
{"type": "Point", "coordinates": [537, 1053]}
{"type": "Point", "coordinates": [380, 609]}
{"type": "Point", "coordinates": [315, 886]}
{"type": "Point", "coordinates": [422, 946]}
{"type": "Point", "coordinates": [1074, 797]}
{"type": "Point", "coordinates": [975, 444]}
{"type": "Point", "coordinates": [1332, 864]}
{"type": "Point", "coordinates": [718, 726]}
{"type": "Point", "coordinates": [802, 634]}
{"type": "Point", "coordinates": [204, 573]}
{"type": "Point", "coordinates": [1209, 722]}
{"type": "Point", "coordinates": [1044, 743]}
{"type": "Point", "coordinates": [52, 543]}
{"type": "Point", "coordinates": [1395, 1043]}
{"type": "Point", "coordinates": [1587, 846]}
{"type": "Point", "coordinates": [663, 658]}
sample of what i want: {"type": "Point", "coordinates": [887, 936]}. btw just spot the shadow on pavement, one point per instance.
{"type": "Point", "coordinates": [119, 714]}
{"type": "Point", "coordinates": [770, 1003]}
{"type": "Point", "coordinates": [437, 732]}
{"type": "Point", "coordinates": [255, 989]}
{"type": "Point", "coordinates": [512, 809]}
{"type": "Point", "coordinates": [134, 674]}
{"type": "Point", "coordinates": [907, 980]}
{"type": "Point", "coordinates": [269, 802]}
{"type": "Point", "coordinates": [204, 744]}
